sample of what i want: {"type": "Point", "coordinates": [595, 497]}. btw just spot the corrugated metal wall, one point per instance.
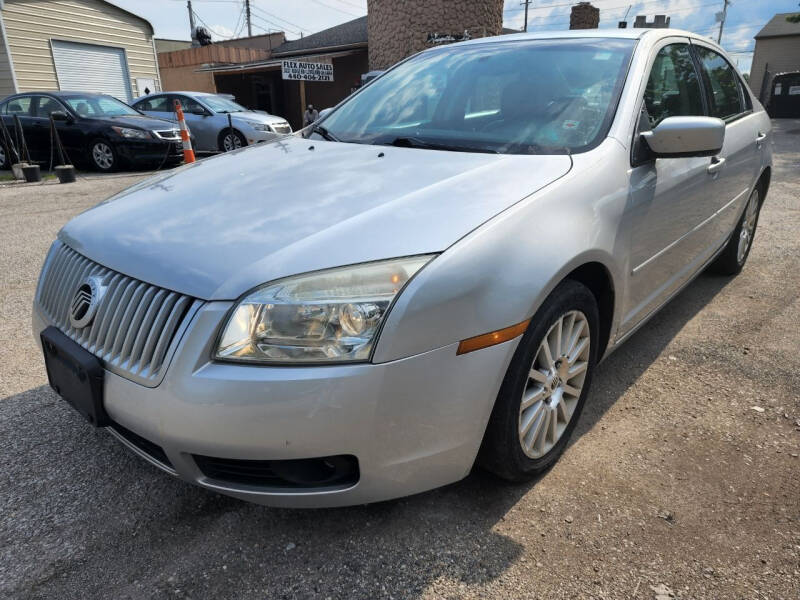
{"type": "Point", "coordinates": [32, 24]}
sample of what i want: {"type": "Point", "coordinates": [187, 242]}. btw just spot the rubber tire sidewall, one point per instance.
{"type": "Point", "coordinates": [221, 139]}
{"type": "Point", "coordinates": [501, 451]}
{"type": "Point", "coordinates": [90, 156]}
{"type": "Point", "coordinates": [727, 263]}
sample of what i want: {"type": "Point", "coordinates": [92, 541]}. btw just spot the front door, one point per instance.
{"type": "Point", "coordinates": [669, 197]}
{"type": "Point", "coordinates": [200, 123]}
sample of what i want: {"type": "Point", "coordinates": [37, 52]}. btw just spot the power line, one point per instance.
{"type": "Point", "coordinates": [268, 14]}
{"type": "Point", "coordinates": [335, 8]}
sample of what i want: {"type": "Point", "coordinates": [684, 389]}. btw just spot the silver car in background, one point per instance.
{"type": "Point", "coordinates": [207, 117]}
{"type": "Point", "coordinates": [422, 281]}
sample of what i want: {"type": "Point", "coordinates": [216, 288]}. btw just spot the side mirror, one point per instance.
{"type": "Point", "coordinates": [677, 137]}
{"type": "Point", "coordinates": [324, 113]}
{"type": "Point", "coordinates": [198, 110]}
{"type": "Point", "coordinates": [60, 115]}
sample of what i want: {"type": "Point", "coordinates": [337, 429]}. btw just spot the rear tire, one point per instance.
{"type": "Point", "coordinates": [544, 390]}
{"type": "Point", "coordinates": [734, 256]}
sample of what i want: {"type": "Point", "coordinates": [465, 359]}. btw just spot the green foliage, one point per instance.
{"type": "Point", "coordinates": [793, 18]}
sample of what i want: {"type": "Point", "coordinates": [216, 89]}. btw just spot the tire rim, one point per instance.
{"type": "Point", "coordinates": [748, 227]}
{"type": "Point", "coordinates": [555, 382]}
{"type": "Point", "coordinates": [231, 142]}
{"type": "Point", "coordinates": [102, 155]}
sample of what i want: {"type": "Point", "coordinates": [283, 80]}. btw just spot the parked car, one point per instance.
{"type": "Point", "coordinates": [429, 280]}
{"type": "Point", "coordinates": [207, 118]}
{"type": "Point", "coordinates": [95, 129]}
{"type": "Point", "coordinates": [784, 100]}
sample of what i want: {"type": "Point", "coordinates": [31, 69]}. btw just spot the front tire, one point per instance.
{"type": "Point", "coordinates": [545, 387]}
{"type": "Point", "coordinates": [230, 139]}
{"type": "Point", "coordinates": [102, 156]}
{"type": "Point", "coordinates": [734, 256]}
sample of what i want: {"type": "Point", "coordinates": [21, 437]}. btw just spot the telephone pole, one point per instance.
{"type": "Point", "coordinates": [722, 16]}
{"type": "Point", "coordinates": [526, 4]}
{"type": "Point", "coordinates": [247, 14]}
{"type": "Point", "coordinates": [191, 23]}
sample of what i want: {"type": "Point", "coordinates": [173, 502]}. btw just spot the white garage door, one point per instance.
{"type": "Point", "coordinates": [90, 68]}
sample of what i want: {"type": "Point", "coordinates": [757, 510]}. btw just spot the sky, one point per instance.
{"type": "Point", "coordinates": [224, 18]}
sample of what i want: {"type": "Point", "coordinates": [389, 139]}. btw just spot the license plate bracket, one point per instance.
{"type": "Point", "coordinates": [76, 375]}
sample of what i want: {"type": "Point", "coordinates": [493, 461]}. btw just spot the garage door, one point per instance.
{"type": "Point", "coordinates": [90, 68]}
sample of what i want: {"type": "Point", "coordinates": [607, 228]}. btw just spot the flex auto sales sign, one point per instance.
{"type": "Point", "coordinates": [298, 70]}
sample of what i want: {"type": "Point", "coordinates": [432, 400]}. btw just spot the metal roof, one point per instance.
{"type": "Point", "coordinates": [778, 26]}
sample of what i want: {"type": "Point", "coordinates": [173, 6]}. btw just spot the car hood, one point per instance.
{"type": "Point", "coordinates": [259, 117]}
{"type": "Point", "coordinates": [140, 121]}
{"type": "Point", "coordinates": [220, 226]}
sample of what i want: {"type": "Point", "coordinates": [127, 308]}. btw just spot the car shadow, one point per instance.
{"type": "Point", "coordinates": [78, 511]}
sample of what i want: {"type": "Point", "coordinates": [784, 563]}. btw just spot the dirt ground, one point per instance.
{"type": "Point", "coordinates": [683, 478]}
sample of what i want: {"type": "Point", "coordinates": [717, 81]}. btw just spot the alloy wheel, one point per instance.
{"type": "Point", "coordinates": [555, 383]}
{"type": "Point", "coordinates": [103, 155]}
{"type": "Point", "coordinates": [748, 227]}
{"type": "Point", "coordinates": [231, 141]}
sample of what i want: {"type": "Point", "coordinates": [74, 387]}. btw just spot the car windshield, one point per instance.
{"type": "Point", "coordinates": [222, 105]}
{"type": "Point", "coordinates": [99, 106]}
{"type": "Point", "coordinates": [514, 97]}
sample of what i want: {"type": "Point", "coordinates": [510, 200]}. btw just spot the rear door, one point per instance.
{"type": "Point", "coordinates": [157, 105]}
{"type": "Point", "coordinates": [738, 163]}
{"type": "Point", "coordinates": [669, 197]}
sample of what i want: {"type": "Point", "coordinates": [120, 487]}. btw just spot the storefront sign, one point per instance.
{"type": "Point", "coordinates": [298, 70]}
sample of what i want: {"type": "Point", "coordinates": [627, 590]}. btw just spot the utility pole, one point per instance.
{"type": "Point", "coordinates": [191, 18]}
{"type": "Point", "coordinates": [722, 17]}
{"type": "Point", "coordinates": [526, 4]}
{"type": "Point", "coordinates": [247, 13]}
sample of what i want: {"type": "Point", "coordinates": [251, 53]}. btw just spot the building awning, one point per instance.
{"type": "Point", "coordinates": [275, 63]}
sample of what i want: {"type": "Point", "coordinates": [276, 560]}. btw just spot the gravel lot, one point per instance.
{"type": "Point", "coordinates": [683, 479]}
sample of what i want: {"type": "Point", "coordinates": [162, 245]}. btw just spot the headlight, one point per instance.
{"type": "Point", "coordinates": [258, 126]}
{"type": "Point", "coordinates": [127, 132]}
{"type": "Point", "coordinates": [329, 316]}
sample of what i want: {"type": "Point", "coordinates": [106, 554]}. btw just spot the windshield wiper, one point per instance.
{"type": "Point", "coordinates": [319, 129]}
{"type": "Point", "coordinates": [413, 142]}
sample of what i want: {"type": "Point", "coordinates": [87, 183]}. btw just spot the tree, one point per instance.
{"type": "Point", "coordinates": [793, 18]}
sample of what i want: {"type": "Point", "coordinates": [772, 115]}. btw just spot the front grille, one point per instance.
{"type": "Point", "coordinates": [168, 134]}
{"type": "Point", "coordinates": [281, 128]}
{"type": "Point", "coordinates": [136, 325]}
{"type": "Point", "coordinates": [330, 471]}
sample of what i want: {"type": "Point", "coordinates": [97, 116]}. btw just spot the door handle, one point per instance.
{"type": "Point", "coordinates": [760, 138]}
{"type": "Point", "coordinates": [716, 165]}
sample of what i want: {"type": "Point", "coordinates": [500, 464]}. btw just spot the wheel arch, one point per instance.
{"type": "Point", "coordinates": [597, 278]}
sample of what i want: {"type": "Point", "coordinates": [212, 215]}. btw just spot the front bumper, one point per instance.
{"type": "Point", "coordinates": [413, 424]}
{"type": "Point", "coordinates": [149, 151]}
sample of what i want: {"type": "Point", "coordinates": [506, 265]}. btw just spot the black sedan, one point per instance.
{"type": "Point", "coordinates": [96, 130]}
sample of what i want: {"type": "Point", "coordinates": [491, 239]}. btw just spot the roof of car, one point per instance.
{"type": "Point", "coordinates": [630, 34]}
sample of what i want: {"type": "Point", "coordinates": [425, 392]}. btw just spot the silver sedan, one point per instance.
{"type": "Point", "coordinates": [424, 280]}
{"type": "Point", "coordinates": [207, 116]}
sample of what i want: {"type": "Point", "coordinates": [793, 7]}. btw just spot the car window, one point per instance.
{"type": "Point", "coordinates": [673, 89]}
{"type": "Point", "coordinates": [18, 106]}
{"type": "Point", "coordinates": [99, 106]}
{"type": "Point", "coordinates": [47, 105]}
{"type": "Point", "coordinates": [725, 93]}
{"type": "Point", "coordinates": [155, 104]}
{"type": "Point", "coordinates": [189, 105]}
{"type": "Point", "coordinates": [517, 97]}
